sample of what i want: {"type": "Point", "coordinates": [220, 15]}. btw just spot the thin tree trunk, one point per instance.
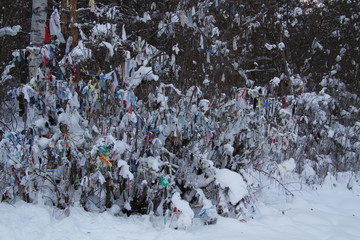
{"type": "Point", "coordinates": [74, 32]}
{"type": "Point", "coordinates": [38, 22]}
{"type": "Point", "coordinates": [73, 20]}
{"type": "Point", "coordinates": [37, 35]}
{"type": "Point", "coordinates": [64, 16]}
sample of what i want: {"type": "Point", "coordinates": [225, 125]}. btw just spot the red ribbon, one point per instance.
{"type": "Point", "coordinates": [258, 165]}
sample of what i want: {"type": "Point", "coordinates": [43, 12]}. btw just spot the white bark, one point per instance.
{"type": "Point", "coordinates": [37, 35]}
{"type": "Point", "coordinates": [38, 22]}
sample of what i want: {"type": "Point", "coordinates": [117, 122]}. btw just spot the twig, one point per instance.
{"type": "Point", "coordinates": [268, 174]}
{"type": "Point", "coordinates": [5, 125]}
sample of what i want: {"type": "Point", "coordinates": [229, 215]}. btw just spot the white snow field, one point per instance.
{"type": "Point", "coordinates": [330, 212]}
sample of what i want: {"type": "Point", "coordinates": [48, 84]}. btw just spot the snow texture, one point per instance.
{"type": "Point", "coordinates": [329, 213]}
{"type": "Point", "coordinates": [103, 30]}
{"type": "Point", "coordinates": [81, 52]}
{"type": "Point", "coordinates": [275, 81]}
{"type": "Point", "coordinates": [5, 74]}
{"type": "Point", "coordinates": [234, 181]}
{"type": "Point", "coordinates": [281, 46]}
{"type": "Point", "coordinates": [143, 73]}
{"type": "Point", "coordinates": [109, 47]}
{"type": "Point", "coordinates": [270, 46]}
{"type": "Point", "coordinates": [11, 31]}
{"type": "Point", "coordinates": [186, 213]}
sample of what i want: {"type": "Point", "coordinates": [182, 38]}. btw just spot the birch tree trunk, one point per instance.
{"type": "Point", "coordinates": [37, 35]}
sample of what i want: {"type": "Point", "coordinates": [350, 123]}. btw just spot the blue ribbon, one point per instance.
{"type": "Point", "coordinates": [204, 211]}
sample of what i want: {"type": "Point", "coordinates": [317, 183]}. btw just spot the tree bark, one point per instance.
{"type": "Point", "coordinates": [64, 16]}
{"type": "Point", "coordinates": [38, 22]}
{"type": "Point", "coordinates": [73, 20]}
{"type": "Point", "coordinates": [74, 32]}
{"type": "Point", "coordinates": [37, 35]}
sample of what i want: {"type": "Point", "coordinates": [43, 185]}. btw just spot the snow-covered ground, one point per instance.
{"type": "Point", "coordinates": [330, 212]}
